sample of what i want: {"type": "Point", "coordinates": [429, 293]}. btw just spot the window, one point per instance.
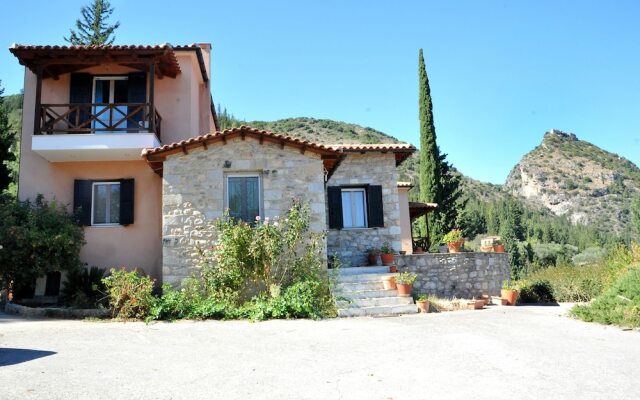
{"type": "Point", "coordinates": [354, 205]}
{"type": "Point", "coordinates": [243, 197]}
{"type": "Point", "coordinates": [105, 203]}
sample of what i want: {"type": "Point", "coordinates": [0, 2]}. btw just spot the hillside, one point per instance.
{"type": "Point", "coordinates": [577, 179]}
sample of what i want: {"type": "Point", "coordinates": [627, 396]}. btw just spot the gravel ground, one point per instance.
{"type": "Point", "coordinates": [500, 352]}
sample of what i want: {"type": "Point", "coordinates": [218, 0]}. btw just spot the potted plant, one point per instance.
{"type": "Point", "coordinates": [509, 293]}
{"type": "Point", "coordinates": [372, 256]}
{"type": "Point", "coordinates": [454, 240]}
{"type": "Point", "coordinates": [404, 283]}
{"type": "Point", "coordinates": [389, 282]}
{"type": "Point", "coordinates": [386, 254]}
{"type": "Point", "coordinates": [498, 246]}
{"type": "Point", "coordinates": [475, 304]}
{"type": "Point", "coordinates": [393, 268]}
{"type": "Point", "coordinates": [423, 303]}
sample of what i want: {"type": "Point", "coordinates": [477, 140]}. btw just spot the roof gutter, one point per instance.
{"type": "Point", "coordinates": [198, 50]}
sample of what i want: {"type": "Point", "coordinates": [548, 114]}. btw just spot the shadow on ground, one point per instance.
{"type": "Point", "coordinates": [9, 356]}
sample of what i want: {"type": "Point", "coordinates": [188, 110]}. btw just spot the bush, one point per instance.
{"type": "Point", "coordinates": [84, 288]}
{"type": "Point", "coordinates": [130, 294]}
{"type": "Point", "coordinates": [619, 305]}
{"type": "Point", "coordinates": [301, 300]}
{"type": "Point", "coordinates": [36, 237]}
{"type": "Point", "coordinates": [590, 255]}
{"type": "Point", "coordinates": [538, 291]}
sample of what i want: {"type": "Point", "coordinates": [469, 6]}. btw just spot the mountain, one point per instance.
{"type": "Point", "coordinates": [579, 180]}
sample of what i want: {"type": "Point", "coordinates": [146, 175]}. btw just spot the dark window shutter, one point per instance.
{"type": "Point", "coordinates": [81, 86]}
{"type": "Point", "coordinates": [82, 201]}
{"type": "Point", "coordinates": [376, 212]}
{"type": "Point", "coordinates": [126, 201]}
{"type": "Point", "coordinates": [334, 199]}
{"type": "Point", "coordinates": [137, 93]}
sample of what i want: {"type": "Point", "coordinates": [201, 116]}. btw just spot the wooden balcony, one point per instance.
{"type": "Point", "coordinates": [94, 118]}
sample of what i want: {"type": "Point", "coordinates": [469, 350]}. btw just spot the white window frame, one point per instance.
{"type": "Point", "coordinates": [364, 208]}
{"type": "Point", "coordinates": [244, 175]}
{"type": "Point", "coordinates": [93, 193]}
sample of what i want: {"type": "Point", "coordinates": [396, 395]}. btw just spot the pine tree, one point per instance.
{"type": "Point", "coordinates": [6, 142]}
{"type": "Point", "coordinates": [635, 214]}
{"type": "Point", "coordinates": [429, 152]}
{"type": "Point", "coordinates": [94, 29]}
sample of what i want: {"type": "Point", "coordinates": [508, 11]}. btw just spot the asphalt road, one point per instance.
{"type": "Point", "coordinates": [497, 353]}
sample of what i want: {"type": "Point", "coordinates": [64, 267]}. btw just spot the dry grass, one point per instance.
{"type": "Point", "coordinates": [437, 304]}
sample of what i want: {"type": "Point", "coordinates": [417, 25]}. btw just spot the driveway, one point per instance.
{"type": "Point", "coordinates": [496, 353]}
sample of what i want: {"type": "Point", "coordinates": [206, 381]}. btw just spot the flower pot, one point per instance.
{"type": "Point", "coordinates": [423, 305]}
{"type": "Point", "coordinates": [498, 248]}
{"type": "Point", "coordinates": [454, 247]}
{"type": "Point", "coordinates": [393, 269]}
{"type": "Point", "coordinates": [486, 298]}
{"type": "Point", "coordinates": [475, 305]}
{"type": "Point", "coordinates": [404, 289]}
{"type": "Point", "coordinates": [511, 296]}
{"type": "Point", "coordinates": [387, 259]}
{"type": "Point", "coordinates": [389, 282]}
{"type": "Point", "coordinates": [418, 250]}
{"type": "Point", "coordinates": [372, 260]}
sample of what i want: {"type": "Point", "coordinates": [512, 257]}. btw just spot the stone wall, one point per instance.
{"type": "Point", "coordinates": [464, 275]}
{"type": "Point", "coordinates": [194, 194]}
{"type": "Point", "coordinates": [350, 245]}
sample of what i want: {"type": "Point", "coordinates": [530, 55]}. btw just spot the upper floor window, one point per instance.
{"type": "Point", "coordinates": [243, 196]}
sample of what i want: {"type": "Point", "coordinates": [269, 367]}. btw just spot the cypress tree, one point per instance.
{"type": "Point", "coordinates": [429, 152]}
{"type": "Point", "coordinates": [6, 142]}
{"type": "Point", "coordinates": [93, 29]}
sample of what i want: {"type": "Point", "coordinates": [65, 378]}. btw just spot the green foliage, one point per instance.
{"type": "Point", "coordinates": [453, 236]}
{"type": "Point", "coordinates": [590, 255]}
{"type": "Point", "coordinates": [406, 278]}
{"type": "Point", "coordinates": [84, 288]}
{"type": "Point", "coordinates": [537, 291]}
{"type": "Point", "coordinates": [94, 29]}
{"type": "Point", "coordinates": [130, 294]}
{"type": "Point", "coordinates": [635, 213]}
{"type": "Point", "coordinates": [386, 248]}
{"type": "Point", "coordinates": [271, 269]}
{"type": "Point", "coordinates": [619, 305]}
{"type": "Point", "coordinates": [36, 237]}
{"type": "Point", "coordinates": [7, 138]}
{"type": "Point", "coordinates": [11, 106]}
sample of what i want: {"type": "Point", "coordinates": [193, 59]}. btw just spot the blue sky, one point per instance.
{"type": "Point", "coordinates": [502, 72]}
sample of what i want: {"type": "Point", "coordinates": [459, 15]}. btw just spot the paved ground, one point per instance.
{"type": "Point", "coordinates": [503, 352]}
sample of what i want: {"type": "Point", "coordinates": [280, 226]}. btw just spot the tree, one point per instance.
{"type": "Point", "coordinates": [429, 152]}
{"type": "Point", "coordinates": [6, 143]}
{"type": "Point", "coordinates": [635, 213]}
{"type": "Point", "coordinates": [93, 29]}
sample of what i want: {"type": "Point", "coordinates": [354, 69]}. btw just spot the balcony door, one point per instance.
{"type": "Point", "coordinates": [107, 91]}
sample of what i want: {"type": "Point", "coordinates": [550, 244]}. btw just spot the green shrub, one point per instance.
{"type": "Point", "coordinates": [619, 305]}
{"type": "Point", "coordinates": [301, 300]}
{"type": "Point", "coordinates": [36, 237]}
{"type": "Point", "coordinates": [538, 291]}
{"type": "Point", "coordinates": [130, 294]}
{"type": "Point", "coordinates": [590, 255]}
{"type": "Point", "coordinates": [84, 288]}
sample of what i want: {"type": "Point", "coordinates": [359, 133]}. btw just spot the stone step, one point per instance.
{"type": "Point", "coordinates": [364, 270]}
{"type": "Point", "coordinates": [364, 277]}
{"type": "Point", "coordinates": [374, 302]}
{"type": "Point", "coordinates": [346, 287]}
{"type": "Point", "coordinates": [366, 294]}
{"type": "Point", "coordinates": [378, 310]}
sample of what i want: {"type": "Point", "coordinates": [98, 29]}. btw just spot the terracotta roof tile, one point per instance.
{"type": "Point", "coordinates": [374, 147]}
{"type": "Point", "coordinates": [405, 184]}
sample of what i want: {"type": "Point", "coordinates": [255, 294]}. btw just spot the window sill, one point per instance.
{"type": "Point", "coordinates": [353, 229]}
{"type": "Point", "coordinates": [105, 226]}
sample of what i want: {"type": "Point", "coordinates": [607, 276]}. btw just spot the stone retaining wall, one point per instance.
{"type": "Point", "coordinates": [464, 275]}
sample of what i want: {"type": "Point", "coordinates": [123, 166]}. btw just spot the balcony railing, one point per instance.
{"type": "Point", "coordinates": [98, 118]}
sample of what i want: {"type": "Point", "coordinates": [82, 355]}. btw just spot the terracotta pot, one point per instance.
{"type": "Point", "coordinates": [423, 305]}
{"type": "Point", "coordinates": [389, 282]}
{"type": "Point", "coordinates": [454, 247]}
{"type": "Point", "coordinates": [387, 259]}
{"type": "Point", "coordinates": [511, 296]}
{"type": "Point", "coordinates": [498, 248]}
{"type": "Point", "coordinates": [418, 250]}
{"type": "Point", "coordinates": [486, 298]}
{"type": "Point", "coordinates": [404, 289]}
{"type": "Point", "coordinates": [372, 260]}
{"type": "Point", "coordinates": [475, 304]}
{"type": "Point", "coordinates": [393, 269]}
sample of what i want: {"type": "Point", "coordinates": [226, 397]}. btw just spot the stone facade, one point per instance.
{"type": "Point", "coordinates": [194, 193]}
{"type": "Point", "coordinates": [464, 275]}
{"type": "Point", "coordinates": [350, 245]}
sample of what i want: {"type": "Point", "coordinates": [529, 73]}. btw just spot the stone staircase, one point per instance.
{"type": "Point", "coordinates": [360, 292]}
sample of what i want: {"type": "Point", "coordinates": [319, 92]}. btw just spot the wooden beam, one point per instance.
{"type": "Point", "coordinates": [224, 139]}
{"type": "Point", "coordinates": [37, 114]}
{"type": "Point", "coordinates": [184, 149]}
{"type": "Point", "coordinates": [204, 144]}
{"type": "Point", "coordinates": [261, 139]}
{"type": "Point", "coordinates": [152, 108]}
{"type": "Point", "coordinates": [282, 143]}
{"type": "Point", "coordinates": [303, 149]}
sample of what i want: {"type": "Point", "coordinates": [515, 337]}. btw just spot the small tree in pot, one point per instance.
{"type": "Point", "coordinates": [453, 240]}
{"type": "Point", "coordinates": [423, 303]}
{"type": "Point", "coordinates": [372, 256]}
{"type": "Point", "coordinates": [404, 283]}
{"type": "Point", "coordinates": [509, 293]}
{"type": "Point", "coordinates": [386, 254]}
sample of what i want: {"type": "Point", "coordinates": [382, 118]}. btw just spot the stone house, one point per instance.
{"type": "Point", "coordinates": [352, 191]}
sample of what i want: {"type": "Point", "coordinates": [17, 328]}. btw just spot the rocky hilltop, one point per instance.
{"type": "Point", "coordinates": [578, 179]}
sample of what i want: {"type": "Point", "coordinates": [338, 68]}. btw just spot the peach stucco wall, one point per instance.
{"type": "Point", "coordinates": [180, 102]}
{"type": "Point", "coordinates": [405, 220]}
